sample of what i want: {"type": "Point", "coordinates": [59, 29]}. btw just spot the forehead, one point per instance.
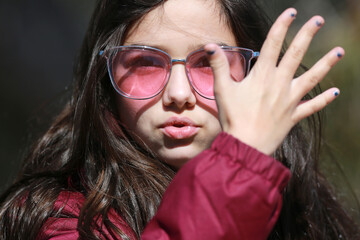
{"type": "Point", "coordinates": [179, 22]}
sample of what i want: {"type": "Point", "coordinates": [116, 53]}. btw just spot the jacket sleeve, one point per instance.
{"type": "Point", "coordinates": [64, 225]}
{"type": "Point", "coordinates": [230, 191]}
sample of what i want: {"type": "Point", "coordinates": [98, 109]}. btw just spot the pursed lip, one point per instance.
{"type": "Point", "coordinates": [179, 128]}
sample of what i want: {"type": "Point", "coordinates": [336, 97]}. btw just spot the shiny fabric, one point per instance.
{"type": "Point", "coordinates": [230, 191]}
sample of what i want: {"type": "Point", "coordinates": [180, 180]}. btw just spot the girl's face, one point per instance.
{"type": "Point", "coordinates": [177, 124]}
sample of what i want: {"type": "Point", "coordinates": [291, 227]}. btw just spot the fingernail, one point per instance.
{"type": "Point", "coordinates": [210, 52]}
{"type": "Point", "coordinates": [336, 93]}
{"type": "Point", "coordinates": [318, 23]}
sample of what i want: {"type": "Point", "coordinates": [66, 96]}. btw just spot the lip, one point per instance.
{"type": "Point", "coordinates": [179, 128]}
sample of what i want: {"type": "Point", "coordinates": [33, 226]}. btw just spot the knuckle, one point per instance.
{"type": "Point", "coordinates": [329, 63]}
{"type": "Point", "coordinates": [313, 80]}
{"type": "Point", "coordinates": [275, 42]}
{"type": "Point", "coordinates": [321, 103]}
{"type": "Point", "coordinates": [307, 32]}
{"type": "Point", "coordinates": [310, 33]}
{"type": "Point", "coordinates": [314, 108]}
{"type": "Point", "coordinates": [327, 100]}
{"type": "Point", "coordinates": [297, 52]}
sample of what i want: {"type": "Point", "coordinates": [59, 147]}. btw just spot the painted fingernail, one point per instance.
{"type": "Point", "coordinates": [336, 93]}
{"type": "Point", "coordinates": [319, 23]}
{"type": "Point", "coordinates": [210, 52]}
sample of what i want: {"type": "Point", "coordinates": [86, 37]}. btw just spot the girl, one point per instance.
{"type": "Point", "coordinates": [165, 88]}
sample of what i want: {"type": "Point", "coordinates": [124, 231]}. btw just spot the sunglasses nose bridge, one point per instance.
{"type": "Point", "coordinates": [181, 61]}
{"type": "Point", "coordinates": [174, 61]}
{"type": "Point", "coordinates": [178, 61]}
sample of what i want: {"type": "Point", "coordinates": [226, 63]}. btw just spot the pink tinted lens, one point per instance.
{"type": "Point", "coordinates": [140, 73]}
{"type": "Point", "coordinates": [201, 75]}
{"type": "Point", "coordinates": [237, 64]}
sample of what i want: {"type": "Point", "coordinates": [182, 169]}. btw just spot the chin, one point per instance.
{"type": "Point", "coordinates": [178, 157]}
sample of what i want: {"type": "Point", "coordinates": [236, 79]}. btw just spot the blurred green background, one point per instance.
{"type": "Point", "coordinates": [39, 40]}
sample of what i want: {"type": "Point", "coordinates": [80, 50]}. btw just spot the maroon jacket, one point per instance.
{"type": "Point", "coordinates": [230, 191]}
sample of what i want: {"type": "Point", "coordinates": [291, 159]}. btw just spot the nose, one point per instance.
{"type": "Point", "coordinates": [178, 91]}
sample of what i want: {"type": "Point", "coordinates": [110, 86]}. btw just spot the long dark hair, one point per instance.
{"type": "Point", "coordinates": [87, 149]}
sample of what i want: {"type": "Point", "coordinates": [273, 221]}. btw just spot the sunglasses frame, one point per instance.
{"type": "Point", "coordinates": [248, 54]}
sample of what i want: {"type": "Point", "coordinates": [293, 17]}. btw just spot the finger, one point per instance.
{"type": "Point", "coordinates": [313, 76]}
{"type": "Point", "coordinates": [314, 105]}
{"type": "Point", "coordinates": [219, 65]}
{"type": "Point", "coordinates": [294, 55]}
{"type": "Point", "coordinates": [272, 46]}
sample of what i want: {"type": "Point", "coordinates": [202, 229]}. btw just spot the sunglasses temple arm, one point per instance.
{"type": "Point", "coordinates": [254, 56]}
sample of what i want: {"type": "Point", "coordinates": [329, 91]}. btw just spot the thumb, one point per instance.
{"type": "Point", "coordinates": [219, 65]}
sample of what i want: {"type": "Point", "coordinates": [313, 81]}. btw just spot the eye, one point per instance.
{"type": "Point", "coordinates": [135, 58]}
{"type": "Point", "coordinates": [143, 61]}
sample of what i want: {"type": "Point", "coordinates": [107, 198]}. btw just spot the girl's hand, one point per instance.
{"type": "Point", "coordinates": [261, 109]}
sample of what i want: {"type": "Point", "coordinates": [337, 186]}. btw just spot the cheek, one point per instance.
{"type": "Point", "coordinates": [209, 105]}
{"type": "Point", "coordinates": [212, 105]}
{"type": "Point", "coordinates": [130, 110]}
